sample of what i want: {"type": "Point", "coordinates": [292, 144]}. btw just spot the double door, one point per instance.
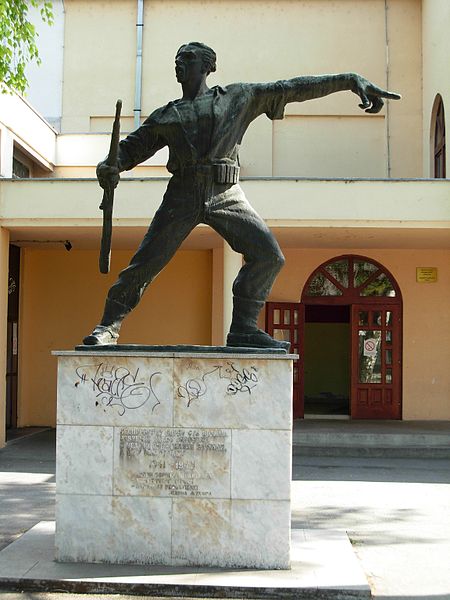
{"type": "Point", "coordinates": [376, 362]}
{"type": "Point", "coordinates": [285, 321]}
{"type": "Point", "coordinates": [375, 356]}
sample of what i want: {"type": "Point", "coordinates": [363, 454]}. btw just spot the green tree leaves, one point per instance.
{"type": "Point", "coordinates": [18, 40]}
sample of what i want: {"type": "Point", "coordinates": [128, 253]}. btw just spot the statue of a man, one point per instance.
{"type": "Point", "coordinates": [203, 130]}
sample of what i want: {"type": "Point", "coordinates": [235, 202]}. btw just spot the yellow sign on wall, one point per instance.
{"type": "Point", "coordinates": [426, 274]}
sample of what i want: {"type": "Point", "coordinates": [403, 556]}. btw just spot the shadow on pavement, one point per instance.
{"type": "Point", "coordinates": [31, 454]}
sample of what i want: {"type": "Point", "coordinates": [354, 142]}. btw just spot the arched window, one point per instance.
{"type": "Point", "coordinates": [351, 279]}
{"type": "Point", "coordinates": [439, 139]}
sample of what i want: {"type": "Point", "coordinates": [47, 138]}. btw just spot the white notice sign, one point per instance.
{"type": "Point", "coordinates": [370, 347]}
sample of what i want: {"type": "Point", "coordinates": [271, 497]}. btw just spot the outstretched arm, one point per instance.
{"type": "Point", "coordinates": [307, 88]}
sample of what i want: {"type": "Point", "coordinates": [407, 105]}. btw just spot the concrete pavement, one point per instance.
{"type": "Point", "coordinates": [395, 511]}
{"type": "Point", "coordinates": [27, 484]}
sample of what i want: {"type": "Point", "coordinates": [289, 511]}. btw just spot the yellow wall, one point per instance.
{"type": "Point", "coordinates": [177, 309]}
{"type": "Point", "coordinates": [62, 295]}
{"type": "Point", "coordinates": [436, 60]}
{"type": "Point", "coordinates": [426, 319]}
{"type": "Point", "coordinates": [325, 138]}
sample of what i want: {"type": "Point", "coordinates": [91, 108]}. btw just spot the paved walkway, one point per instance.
{"type": "Point", "coordinates": [396, 511]}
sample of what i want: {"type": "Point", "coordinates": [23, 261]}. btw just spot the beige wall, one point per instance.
{"type": "Point", "coordinates": [40, 205]}
{"type": "Point", "coordinates": [324, 138]}
{"type": "Point", "coordinates": [436, 60]}
{"type": "Point", "coordinates": [62, 295]}
{"type": "Point", "coordinates": [99, 50]}
{"type": "Point", "coordinates": [404, 75]}
{"type": "Point", "coordinates": [22, 127]}
{"type": "Point", "coordinates": [355, 146]}
{"type": "Point", "coordinates": [426, 319]}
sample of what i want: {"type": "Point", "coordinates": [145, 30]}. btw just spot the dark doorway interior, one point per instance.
{"type": "Point", "coordinates": [12, 350]}
{"type": "Point", "coordinates": [327, 360]}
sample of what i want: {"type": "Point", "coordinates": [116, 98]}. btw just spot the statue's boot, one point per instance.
{"type": "Point", "coordinates": [244, 332]}
{"type": "Point", "coordinates": [107, 332]}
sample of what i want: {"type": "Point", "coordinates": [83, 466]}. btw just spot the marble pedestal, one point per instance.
{"type": "Point", "coordinates": [174, 458]}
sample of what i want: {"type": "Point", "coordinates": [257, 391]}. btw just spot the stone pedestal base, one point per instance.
{"type": "Point", "coordinates": [174, 459]}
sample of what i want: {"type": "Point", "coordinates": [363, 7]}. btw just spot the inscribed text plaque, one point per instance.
{"type": "Point", "coordinates": [174, 462]}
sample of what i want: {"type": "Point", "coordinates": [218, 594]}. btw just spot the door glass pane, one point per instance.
{"type": "Point", "coordinates": [287, 317]}
{"type": "Point", "coordinates": [362, 270]}
{"type": "Point", "coordinates": [295, 317]}
{"type": "Point", "coordinates": [376, 317]}
{"type": "Point", "coordinates": [388, 375]}
{"type": "Point", "coordinates": [295, 336]}
{"type": "Point", "coordinates": [339, 270]}
{"type": "Point", "coordinates": [276, 316]}
{"type": "Point", "coordinates": [380, 286]}
{"type": "Point", "coordinates": [321, 286]}
{"type": "Point", "coordinates": [389, 337]}
{"type": "Point", "coordinates": [363, 317]}
{"type": "Point", "coordinates": [295, 375]}
{"type": "Point", "coordinates": [388, 317]}
{"type": "Point", "coordinates": [389, 357]}
{"type": "Point", "coordinates": [282, 335]}
{"type": "Point", "coordinates": [369, 352]}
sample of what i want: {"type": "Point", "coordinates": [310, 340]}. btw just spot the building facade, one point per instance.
{"type": "Point", "coordinates": [359, 203]}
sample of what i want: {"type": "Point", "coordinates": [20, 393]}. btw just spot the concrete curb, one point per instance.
{"type": "Point", "coordinates": [177, 591]}
{"type": "Point", "coordinates": [372, 452]}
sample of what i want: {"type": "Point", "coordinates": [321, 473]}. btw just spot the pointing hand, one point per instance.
{"type": "Point", "coordinates": [370, 94]}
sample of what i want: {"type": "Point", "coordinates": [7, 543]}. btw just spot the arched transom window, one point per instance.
{"type": "Point", "coordinates": [351, 279]}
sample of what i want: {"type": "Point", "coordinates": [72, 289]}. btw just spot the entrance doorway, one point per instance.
{"type": "Point", "coordinates": [327, 361]}
{"type": "Point", "coordinates": [348, 332]}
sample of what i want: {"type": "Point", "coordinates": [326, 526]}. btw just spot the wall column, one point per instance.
{"type": "Point", "coordinates": [232, 262]}
{"type": "Point", "coordinates": [217, 297]}
{"type": "Point", "coordinates": [226, 264]}
{"type": "Point", "coordinates": [4, 270]}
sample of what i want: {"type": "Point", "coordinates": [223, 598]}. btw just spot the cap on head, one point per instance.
{"type": "Point", "coordinates": [208, 55]}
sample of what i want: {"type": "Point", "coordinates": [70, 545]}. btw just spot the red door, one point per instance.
{"type": "Point", "coordinates": [284, 321]}
{"type": "Point", "coordinates": [376, 355]}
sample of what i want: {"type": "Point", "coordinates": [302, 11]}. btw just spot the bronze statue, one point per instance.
{"type": "Point", "coordinates": [203, 130]}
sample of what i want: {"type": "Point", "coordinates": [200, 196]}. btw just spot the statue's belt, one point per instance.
{"type": "Point", "coordinates": [219, 172]}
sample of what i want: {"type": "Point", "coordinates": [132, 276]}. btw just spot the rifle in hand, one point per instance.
{"type": "Point", "coordinates": [108, 196]}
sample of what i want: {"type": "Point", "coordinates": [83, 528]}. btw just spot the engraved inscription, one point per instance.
{"type": "Point", "coordinates": [117, 386]}
{"type": "Point", "coordinates": [235, 381]}
{"type": "Point", "coordinates": [174, 462]}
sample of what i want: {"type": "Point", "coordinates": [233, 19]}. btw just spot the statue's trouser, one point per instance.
{"type": "Point", "coordinates": [187, 202]}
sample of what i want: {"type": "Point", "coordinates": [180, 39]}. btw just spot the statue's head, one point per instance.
{"type": "Point", "coordinates": [194, 60]}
